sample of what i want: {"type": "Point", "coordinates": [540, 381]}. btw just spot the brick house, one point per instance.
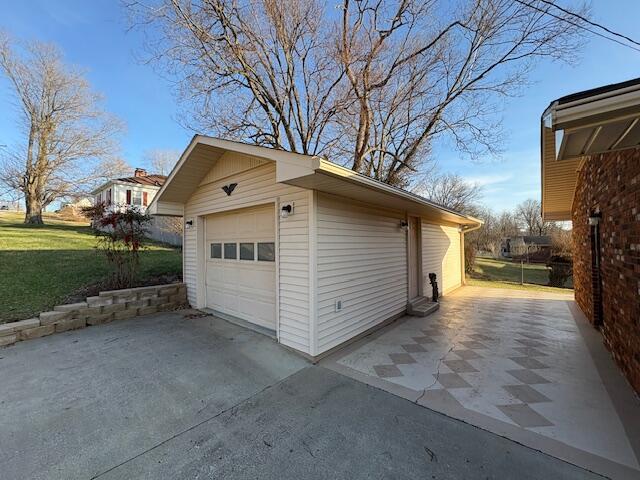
{"type": "Point", "coordinates": [591, 176]}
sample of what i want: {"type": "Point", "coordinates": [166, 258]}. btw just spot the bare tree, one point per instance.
{"type": "Point", "coordinates": [66, 132]}
{"type": "Point", "coordinates": [373, 86]}
{"type": "Point", "coordinates": [451, 191]}
{"type": "Point", "coordinates": [421, 68]}
{"type": "Point", "coordinates": [529, 214]}
{"type": "Point", "coordinates": [496, 227]}
{"type": "Point", "coordinates": [161, 161]}
{"type": "Point", "coordinates": [254, 70]}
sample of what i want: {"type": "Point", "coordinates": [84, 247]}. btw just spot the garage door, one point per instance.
{"type": "Point", "coordinates": [241, 269]}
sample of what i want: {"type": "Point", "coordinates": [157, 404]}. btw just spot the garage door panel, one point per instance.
{"type": "Point", "coordinates": [242, 288]}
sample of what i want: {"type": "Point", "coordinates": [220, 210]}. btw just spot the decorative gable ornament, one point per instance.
{"type": "Point", "coordinates": [228, 189]}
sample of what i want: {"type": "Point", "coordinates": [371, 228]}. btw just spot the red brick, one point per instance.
{"type": "Point", "coordinates": [606, 182]}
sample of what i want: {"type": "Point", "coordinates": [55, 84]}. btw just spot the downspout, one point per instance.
{"type": "Point", "coordinates": [465, 229]}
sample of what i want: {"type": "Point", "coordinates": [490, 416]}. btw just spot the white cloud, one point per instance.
{"type": "Point", "coordinates": [489, 179]}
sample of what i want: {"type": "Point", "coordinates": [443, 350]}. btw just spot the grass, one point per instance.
{"type": "Point", "coordinates": [490, 272]}
{"type": "Point", "coordinates": [41, 265]}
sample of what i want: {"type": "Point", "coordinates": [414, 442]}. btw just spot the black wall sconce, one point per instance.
{"type": "Point", "coordinates": [228, 189]}
{"type": "Point", "coordinates": [286, 210]}
{"type": "Point", "coordinates": [594, 219]}
{"type": "Point", "coordinates": [404, 225]}
{"type": "Point", "coordinates": [188, 224]}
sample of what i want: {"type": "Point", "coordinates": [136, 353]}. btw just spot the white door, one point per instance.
{"type": "Point", "coordinates": [241, 269]}
{"type": "Point", "coordinates": [414, 258]}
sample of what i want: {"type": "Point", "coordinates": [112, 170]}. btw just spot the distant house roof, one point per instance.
{"type": "Point", "coordinates": [142, 180]}
{"type": "Point", "coordinates": [536, 239]}
{"type": "Point", "coordinates": [151, 180]}
{"type": "Point", "coordinates": [540, 240]}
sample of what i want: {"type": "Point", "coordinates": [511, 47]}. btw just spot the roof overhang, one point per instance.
{"type": "Point", "coordinates": [304, 171]}
{"type": "Point", "coordinates": [120, 182]}
{"type": "Point", "coordinates": [579, 126]}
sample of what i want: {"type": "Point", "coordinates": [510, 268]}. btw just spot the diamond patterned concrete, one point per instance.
{"type": "Point", "coordinates": [528, 377]}
{"type": "Point", "coordinates": [460, 366]}
{"type": "Point", "coordinates": [452, 380]}
{"type": "Point", "coordinates": [401, 358]}
{"type": "Point", "coordinates": [387, 371]}
{"type": "Point", "coordinates": [467, 354]}
{"type": "Point", "coordinates": [526, 394]}
{"type": "Point", "coordinates": [524, 415]}
{"type": "Point", "coordinates": [413, 348]}
{"type": "Point", "coordinates": [517, 357]}
{"type": "Point", "coordinates": [529, 362]}
{"type": "Point", "coordinates": [530, 351]}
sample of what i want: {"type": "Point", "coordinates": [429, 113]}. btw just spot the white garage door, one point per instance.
{"type": "Point", "coordinates": [241, 269]}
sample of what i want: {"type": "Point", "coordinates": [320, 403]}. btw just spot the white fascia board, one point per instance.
{"type": "Point", "coordinates": [348, 174]}
{"type": "Point", "coordinates": [174, 171]}
{"type": "Point", "coordinates": [600, 104]}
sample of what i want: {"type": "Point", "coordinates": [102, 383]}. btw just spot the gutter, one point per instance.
{"type": "Point", "coordinates": [343, 172]}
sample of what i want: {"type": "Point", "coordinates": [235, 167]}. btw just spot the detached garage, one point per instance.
{"type": "Point", "coordinates": [307, 251]}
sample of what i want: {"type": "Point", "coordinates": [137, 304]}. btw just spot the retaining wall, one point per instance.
{"type": "Point", "coordinates": [104, 308]}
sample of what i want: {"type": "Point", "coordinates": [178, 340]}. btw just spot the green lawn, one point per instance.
{"type": "Point", "coordinates": [40, 265]}
{"type": "Point", "coordinates": [490, 272]}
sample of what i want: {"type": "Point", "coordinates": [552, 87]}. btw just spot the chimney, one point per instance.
{"type": "Point", "coordinates": [140, 172]}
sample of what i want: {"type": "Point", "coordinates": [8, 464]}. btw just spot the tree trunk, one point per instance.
{"type": "Point", "coordinates": [33, 205]}
{"type": "Point", "coordinates": [32, 198]}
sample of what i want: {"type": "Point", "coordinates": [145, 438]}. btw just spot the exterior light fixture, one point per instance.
{"type": "Point", "coordinates": [594, 219]}
{"type": "Point", "coordinates": [286, 209]}
{"type": "Point", "coordinates": [404, 225]}
{"type": "Point", "coordinates": [188, 224]}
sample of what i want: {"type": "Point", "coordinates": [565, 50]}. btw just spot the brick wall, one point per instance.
{"type": "Point", "coordinates": [106, 307]}
{"type": "Point", "coordinates": [610, 183]}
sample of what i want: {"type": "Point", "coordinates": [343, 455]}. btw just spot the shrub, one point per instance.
{"type": "Point", "coordinates": [469, 257]}
{"type": "Point", "coordinates": [560, 270]}
{"type": "Point", "coordinates": [121, 233]}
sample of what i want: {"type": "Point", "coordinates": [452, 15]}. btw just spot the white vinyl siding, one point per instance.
{"type": "Point", "coordinates": [441, 255]}
{"type": "Point", "coordinates": [257, 186]}
{"type": "Point", "coordinates": [362, 261]}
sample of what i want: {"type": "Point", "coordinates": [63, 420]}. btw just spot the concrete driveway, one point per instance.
{"type": "Point", "coordinates": [168, 396]}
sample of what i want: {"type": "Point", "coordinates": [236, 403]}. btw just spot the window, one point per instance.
{"type": "Point", "coordinates": [247, 251]}
{"type": "Point", "coordinates": [137, 198]}
{"type": "Point", "coordinates": [267, 252]}
{"type": "Point", "coordinates": [216, 250]}
{"type": "Point", "coordinates": [230, 251]}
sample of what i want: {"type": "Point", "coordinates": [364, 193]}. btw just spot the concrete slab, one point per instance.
{"type": "Point", "coordinates": [319, 424]}
{"type": "Point", "coordinates": [532, 369]}
{"type": "Point", "coordinates": [75, 404]}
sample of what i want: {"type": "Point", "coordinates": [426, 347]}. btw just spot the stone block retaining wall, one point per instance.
{"type": "Point", "coordinates": [104, 308]}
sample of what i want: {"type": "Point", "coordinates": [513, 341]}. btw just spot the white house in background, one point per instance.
{"type": "Point", "coordinates": [138, 190]}
{"type": "Point", "coordinates": [306, 250]}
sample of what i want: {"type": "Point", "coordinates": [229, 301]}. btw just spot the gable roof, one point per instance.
{"type": "Point", "coordinates": [304, 171]}
{"type": "Point", "coordinates": [151, 180]}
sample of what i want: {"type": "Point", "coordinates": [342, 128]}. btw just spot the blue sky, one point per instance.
{"type": "Point", "coordinates": [92, 35]}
